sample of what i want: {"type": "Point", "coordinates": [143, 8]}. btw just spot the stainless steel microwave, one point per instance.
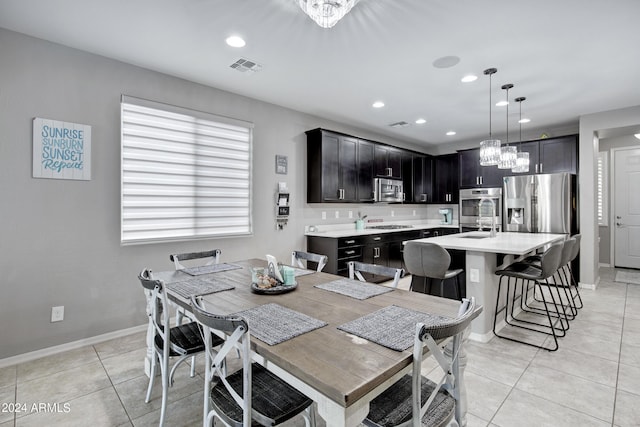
{"type": "Point", "coordinates": [388, 190]}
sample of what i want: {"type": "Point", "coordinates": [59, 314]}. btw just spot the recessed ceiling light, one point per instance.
{"type": "Point", "coordinates": [637, 135]}
{"type": "Point", "coordinates": [235, 41]}
{"type": "Point", "coordinates": [421, 121]}
{"type": "Point", "coordinates": [378, 104]}
{"type": "Point", "coordinates": [451, 133]}
{"type": "Point", "coordinates": [502, 103]}
{"type": "Point", "coordinates": [469, 78]}
{"type": "Point", "coordinates": [446, 62]}
{"type": "Point", "coordinates": [524, 120]}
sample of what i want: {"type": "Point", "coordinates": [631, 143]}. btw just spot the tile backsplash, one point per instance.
{"type": "Point", "coordinates": [325, 214]}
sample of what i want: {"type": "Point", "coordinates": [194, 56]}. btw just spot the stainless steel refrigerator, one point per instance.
{"type": "Point", "coordinates": [544, 203]}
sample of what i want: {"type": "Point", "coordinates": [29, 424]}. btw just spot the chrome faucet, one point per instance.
{"type": "Point", "coordinates": [492, 232]}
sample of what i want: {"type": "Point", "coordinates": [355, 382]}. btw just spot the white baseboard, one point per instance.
{"type": "Point", "coordinates": [604, 264]}
{"type": "Point", "coordinates": [483, 338]}
{"type": "Point", "coordinates": [49, 351]}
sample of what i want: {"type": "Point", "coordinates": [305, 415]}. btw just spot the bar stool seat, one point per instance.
{"type": "Point", "coordinates": [428, 260]}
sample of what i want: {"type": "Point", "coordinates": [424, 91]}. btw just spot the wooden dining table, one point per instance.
{"type": "Point", "coordinates": [341, 372]}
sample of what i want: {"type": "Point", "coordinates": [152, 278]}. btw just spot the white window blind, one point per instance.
{"type": "Point", "coordinates": [602, 189]}
{"type": "Point", "coordinates": [185, 174]}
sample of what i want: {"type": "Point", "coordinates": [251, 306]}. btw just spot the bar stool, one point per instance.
{"type": "Point", "coordinates": [569, 271]}
{"type": "Point", "coordinates": [431, 261]}
{"type": "Point", "coordinates": [559, 282]}
{"type": "Point", "coordinates": [539, 275]}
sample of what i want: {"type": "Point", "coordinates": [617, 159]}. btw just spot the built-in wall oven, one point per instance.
{"type": "Point", "coordinates": [471, 210]}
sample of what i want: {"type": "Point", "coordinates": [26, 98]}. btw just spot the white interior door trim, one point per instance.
{"type": "Point", "coordinates": [612, 199]}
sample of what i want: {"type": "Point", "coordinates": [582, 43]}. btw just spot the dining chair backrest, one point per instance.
{"type": "Point", "coordinates": [236, 329]}
{"type": "Point", "coordinates": [357, 268]}
{"type": "Point", "coordinates": [212, 256]}
{"type": "Point", "coordinates": [298, 256]}
{"type": "Point", "coordinates": [426, 259]}
{"type": "Point", "coordinates": [158, 307]}
{"type": "Point", "coordinates": [550, 260]}
{"type": "Point", "coordinates": [427, 336]}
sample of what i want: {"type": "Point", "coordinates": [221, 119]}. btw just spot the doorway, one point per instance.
{"type": "Point", "coordinates": [626, 208]}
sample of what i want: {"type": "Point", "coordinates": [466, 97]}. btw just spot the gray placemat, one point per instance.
{"type": "Point", "coordinates": [198, 286]}
{"type": "Point", "coordinates": [392, 327]}
{"type": "Point", "coordinates": [354, 288]}
{"type": "Point", "coordinates": [213, 268]}
{"type": "Point", "coordinates": [273, 323]}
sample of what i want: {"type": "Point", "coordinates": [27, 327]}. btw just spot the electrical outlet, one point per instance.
{"type": "Point", "coordinates": [337, 214]}
{"type": "Point", "coordinates": [393, 213]}
{"type": "Point", "coordinates": [324, 215]}
{"type": "Point", "coordinates": [350, 214]}
{"type": "Point", "coordinates": [414, 212]}
{"type": "Point", "coordinates": [57, 313]}
{"type": "Point", "coordinates": [474, 275]}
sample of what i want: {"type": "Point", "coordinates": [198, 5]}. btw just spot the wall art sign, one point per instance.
{"type": "Point", "coordinates": [61, 150]}
{"type": "Point", "coordinates": [281, 164]}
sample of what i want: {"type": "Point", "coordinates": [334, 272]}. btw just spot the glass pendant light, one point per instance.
{"type": "Point", "coordinates": [326, 13]}
{"type": "Point", "coordinates": [522, 158]}
{"type": "Point", "coordinates": [489, 148]}
{"type": "Point", "coordinates": [508, 153]}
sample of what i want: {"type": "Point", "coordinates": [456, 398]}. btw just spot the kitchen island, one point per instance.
{"type": "Point", "coordinates": [481, 255]}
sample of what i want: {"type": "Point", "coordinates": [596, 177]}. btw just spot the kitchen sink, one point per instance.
{"type": "Point", "coordinates": [475, 236]}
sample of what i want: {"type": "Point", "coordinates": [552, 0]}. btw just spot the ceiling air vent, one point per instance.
{"type": "Point", "coordinates": [243, 65]}
{"type": "Point", "coordinates": [400, 124]}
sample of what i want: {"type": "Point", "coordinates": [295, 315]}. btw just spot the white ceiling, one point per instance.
{"type": "Point", "coordinates": [568, 57]}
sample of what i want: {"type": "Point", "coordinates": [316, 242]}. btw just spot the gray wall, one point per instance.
{"type": "Point", "coordinates": [608, 144]}
{"type": "Point", "coordinates": [592, 128]}
{"type": "Point", "coordinates": [60, 239]}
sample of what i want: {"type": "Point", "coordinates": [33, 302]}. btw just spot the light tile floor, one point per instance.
{"type": "Point", "coordinates": [592, 380]}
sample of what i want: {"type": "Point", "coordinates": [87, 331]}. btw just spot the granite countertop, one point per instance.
{"type": "Point", "coordinates": [504, 243]}
{"type": "Point", "coordinates": [347, 230]}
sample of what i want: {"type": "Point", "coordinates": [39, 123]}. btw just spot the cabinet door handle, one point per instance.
{"type": "Point", "coordinates": [376, 252]}
{"type": "Point", "coordinates": [349, 252]}
{"type": "Point", "coordinates": [540, 167]}
{"type": "Point", "coordinates": [389, 171]}
{"type": "Point", "coordinates": [349, 242]}
{"type": "Point", "coordinates": [477, 180]}
{"type": "Point", "coordinates": [423, 197]}
{"type": "Point", "coordinates": [481, 180]}
{"type": "Point", "coordinates": [536, 168]}
{"type": "Point", "coordinates": [377, 238]}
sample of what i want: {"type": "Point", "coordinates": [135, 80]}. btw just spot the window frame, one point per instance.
{"type": "Point", "coordinates": [602, 189]}
{"type": "Point", "coordinates": [200, 213]}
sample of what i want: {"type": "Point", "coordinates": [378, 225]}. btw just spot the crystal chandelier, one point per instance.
{"type": "Point", "coordinates": [522, 159]}
{"type": "Point", "coordinates": [489, 148]}
{"type": "Point", "coordinates": [326, 13]}
{"type": "Point", "coordinates": [508, 154]}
